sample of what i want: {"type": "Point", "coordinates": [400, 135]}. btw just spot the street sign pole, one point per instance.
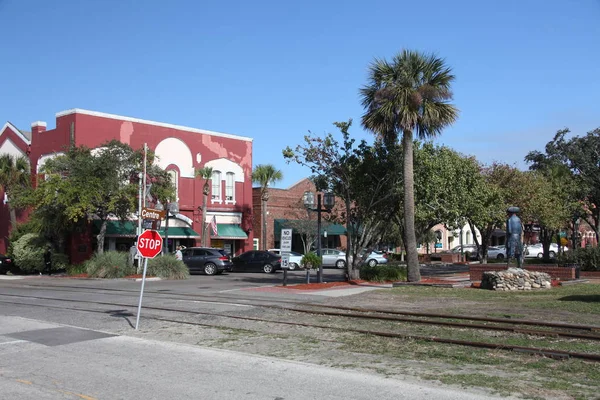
{"type": "Point", "coordinates": [149, 246]}
{"type": "Point", "coordinates": [137, 320]}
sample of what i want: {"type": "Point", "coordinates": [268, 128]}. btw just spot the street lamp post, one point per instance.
{"type": "Point", "coordinates": [309, 203]}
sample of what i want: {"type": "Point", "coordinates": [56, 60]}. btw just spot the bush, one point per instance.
{"type": "Point", "coordinates": [28, 253]}
{"type": "Point", "coordinates": [168, 267]}
{"type": "Point", "coordinates": [587, 258]}
{"type": "Point", "coordinates": [383, 273]}
{"type": "Point", "coordinates": [76, 269]}
{"type": "Point", "coordinates": [110, 265]}
{"type": "Point", "coordinates": [18, 232]}
{"type": "Point", "coordinates": [395, 256]}
{"type": "Point", "coordinates": [311, 261]}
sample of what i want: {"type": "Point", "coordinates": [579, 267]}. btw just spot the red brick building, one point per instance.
{"type": "Point", "coordinates": [180, 150]}
{"type": "Point", "coordinates": [285, 205]}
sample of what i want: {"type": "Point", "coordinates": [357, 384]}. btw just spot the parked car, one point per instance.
{"type": "Point", "coordinates": [295, 258]}
{"type": "Point", "coordinates": [257, 260]}
{"type": "Point", "coordinates": [6, 264]}
{"type": "Point", "coordinates": [209, 260]}
{"type": "Point", "coordinates": [467, 248]}
{"type": "Point", "coordinates": [374, 258]}
{"type": "Point", "coordinates": [497, 252]}
{"type": "Point", "coordinates": [537, 250]}
{"type": "Point", "coordinates": [333, 258]}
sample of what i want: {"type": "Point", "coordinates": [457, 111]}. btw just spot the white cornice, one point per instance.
{"type": "Point", "coordinates": [147, 122]}
{"type": "Point", "coordinates": [38, 123]}
{"type": "Point", "coordinates": [16, 132]}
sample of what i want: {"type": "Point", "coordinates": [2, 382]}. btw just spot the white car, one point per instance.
{"type": "Point", "coordinates": [374, 258]}
{"type": "Point", "coordinates": [497, 252]}
{"type": "Point", "coordinates": [295, 258]}
{"type": "Point", "coordinates": [537, 250]}
{"type": "Point", "coordinates": [333, 258]}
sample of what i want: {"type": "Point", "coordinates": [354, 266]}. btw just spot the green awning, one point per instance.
{"type": "Point", "coordinates": [129, 229]}
{"type": "Point", "coordinates": [229, 231]}
{"type": "Point", "coordinates": [179, 233]}
{"type": "Point", "coordinates": [332, 229]}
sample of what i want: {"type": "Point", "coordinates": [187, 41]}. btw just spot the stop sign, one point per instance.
{"type": "Point", "coordinates": [149, 244]}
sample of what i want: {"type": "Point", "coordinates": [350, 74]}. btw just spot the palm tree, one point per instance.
{"type": "Point", "coordinates": [206, 174]}
{"type": "Point", "coordinates": [264, 175]}
{"type": "Point", "coordinates": [14, 173]}
{"type": "Point", "coordinates": [407, 96]}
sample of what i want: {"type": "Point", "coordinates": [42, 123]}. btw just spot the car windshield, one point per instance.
{"type": "Point", "coordinates": [223, 253]}
{"type": "Point", "coordinates": [293, 253]}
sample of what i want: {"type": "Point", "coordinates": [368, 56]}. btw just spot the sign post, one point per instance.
{"type": "Point", "coordinates": [149, 245]}
{"type": "Point", "coordinates": [286, 248]}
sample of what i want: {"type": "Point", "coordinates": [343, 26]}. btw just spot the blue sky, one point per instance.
{"type": "Point", "coordinates": [273, 70]}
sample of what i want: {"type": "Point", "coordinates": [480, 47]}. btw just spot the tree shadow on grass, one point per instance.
{"type": "Point", "coordinates": [585, 298]}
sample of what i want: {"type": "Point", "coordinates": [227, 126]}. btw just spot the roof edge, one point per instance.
{"type": "Point", "coordinates": [149, 122]}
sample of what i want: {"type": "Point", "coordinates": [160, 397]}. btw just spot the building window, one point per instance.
{"type": "Point", "coordinates": [468, 239]}
{"type": "Point", "coordinates": [216, 186]}
{"type": "Point", "coordinates": [229, 187]}
{"type": "Point", "coordinates": [175, 181]}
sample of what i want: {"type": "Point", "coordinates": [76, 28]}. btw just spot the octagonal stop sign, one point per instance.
{"type": "Point", "coordinates": [149, 244]}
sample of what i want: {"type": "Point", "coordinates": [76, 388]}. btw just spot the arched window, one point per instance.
{"type": "Point", "coordinates": [216, 186]}
{"type": "Point", "coordinates": [175, 180]}
{"type": "Point", "coordinates": [229, 187]}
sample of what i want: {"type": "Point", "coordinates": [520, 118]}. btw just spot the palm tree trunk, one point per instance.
{"type": "Point", "coordinates": [264, 225]}
{"type": "Point", "coordinates": [412, 259]}
{"type": "Point", "coordinates": [204, 230]}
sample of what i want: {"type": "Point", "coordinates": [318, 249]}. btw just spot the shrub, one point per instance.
{"type": "Point", "coordinates": [18, 232]}
{"type": "Point", "coordinates": [110, 264]}
{"type": "Point", "coordinates": [168, 267]}
{"type": "Point", "coordinates": [383, 273]}
{"type": "Point", "coordinates": [587, 258]}
{"type": "Point", "coordinates": [76, 269]}
{"type": "Point", "coordinates": [28, 253]}
{"type": "Point", "coordinates": [311, 261]}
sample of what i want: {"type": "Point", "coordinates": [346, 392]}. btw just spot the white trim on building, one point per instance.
{"type": "Point", "coordinates": [148, 122]}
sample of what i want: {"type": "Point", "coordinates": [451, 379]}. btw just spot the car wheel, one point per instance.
{"type": "Point", "coordinates": [210, 269]}
{"type": "Point", "coordinates": [552, 254]}
{"type": "Point", "coordinates": [500, 257]}
{"type": "Point", "coordinates": [293, 266]}
{"type": "Point", "coordinates": [372, 263]}
{"type": "Point", "coordinates": [540, 255]}
{"type": "Point", "coordinates": [340, 264]}
{"type": "Point", "coordinates": [268, 269]}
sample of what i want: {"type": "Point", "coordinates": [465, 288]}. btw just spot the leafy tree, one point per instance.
{"type": "Point", "coordinates": [15, 174]}
{"type": "Point", "coordinates": [303, 223]}
{"type": "Point", "coordinates": [444, 182]}
{"type": "Point", "coordinates": [101, 183]}
{"type": "Point", "coordinates": [204, 173]}
{"type": "Point", "coordinates": [579, 156]}
{"type": "Point", "coordinates": [265, 175]}
{"type": "Point", "coordinates": [362, 176]}
{"type": "Point", "coordinates": [408, 96]}
{"type": "Point", "coordinates": [495, 188]}
{"type": "Point", "coordinates": [549, 205]}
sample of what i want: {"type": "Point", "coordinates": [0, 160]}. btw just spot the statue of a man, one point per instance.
{"type": "Point", "coordinates": [514, 230]}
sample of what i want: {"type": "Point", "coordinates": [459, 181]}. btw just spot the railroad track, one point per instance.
{"type": "Point", "coordinates": [577, 331]}
{"type": "Point", "coordinates": [359, 313]}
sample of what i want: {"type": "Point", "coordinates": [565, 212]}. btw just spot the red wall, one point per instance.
{"type": "Point", "coordinates": [93, 131]}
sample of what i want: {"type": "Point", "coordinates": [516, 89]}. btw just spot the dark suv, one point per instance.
{"type": "Point", "coordinates": [6, 264]}
{"type": "Point", "coordinates": [206, 259]}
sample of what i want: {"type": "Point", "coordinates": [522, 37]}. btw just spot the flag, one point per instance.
{"type": "Point", "coordinates": [213, 226]}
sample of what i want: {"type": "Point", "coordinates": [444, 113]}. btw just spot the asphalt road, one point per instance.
{"type": "Point", "coordinates": [50, 350]}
